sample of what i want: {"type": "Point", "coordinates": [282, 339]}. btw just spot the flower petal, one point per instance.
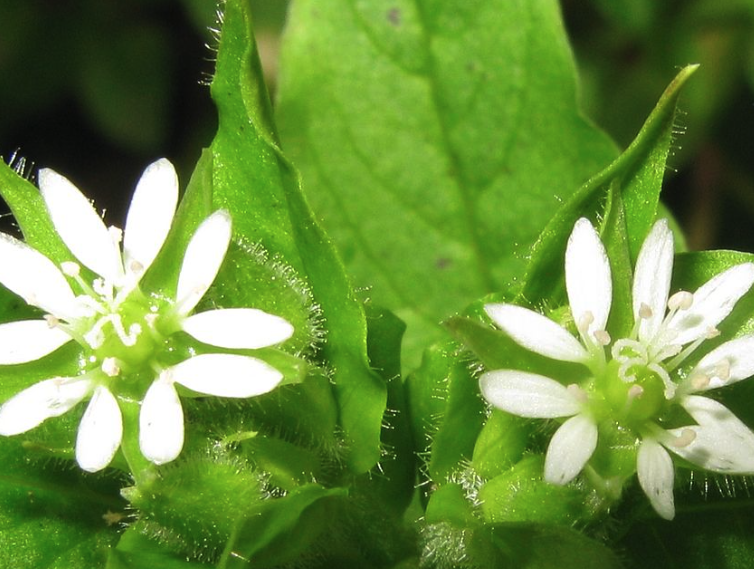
{"type": "Point", "coordinates": [651, 287]}
{"type": "Point", "coordinates": [655, 469]}
{"type": "Point", "coordinates": [536, 332]}
{"type": "Point", "coordinates": [36, 279]}
{"type": "Point", "coordinates": [571, 447]}
{"type": "Point", "coordinates": [204, 256]}
{"type": "Point", "coordinates": [713, 301]}
{"type": "Point", "coordinates": [48, 398]}
{"type": "Point", "coordinates": [161, 422]}
{"type": "Point", "coordinates": [28, 340]}
{"type": "Point", "coordinates": [588, 278]}
{"type": "Point", "coordinates": [100, 431]}
{"type": "Point", "coordinates": [150, 216]}
{"type": "Point", "coordinates": [80, 226]}
{"type": "Point", "coordinates": [722, 442]}
{"type": "Point", "coordinates": [226, 375]}
{"type": "Point", "coordinates": [528, 394]}
{"type": "Point", "coordinates": [738, 355]}
{"type": "Point", "coordinates": [238, 328]}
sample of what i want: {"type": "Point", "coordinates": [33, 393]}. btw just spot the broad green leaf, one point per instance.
{"type": "Point", "coordinates": [51, 516]}
{"type": "Point", "coordinates": [435, 138]}
{"type": "Point", "coordinates": [637, 174]}
{"type": "Point", "coordinates": [254, 181]}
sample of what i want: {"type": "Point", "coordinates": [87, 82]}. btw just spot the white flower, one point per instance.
{"type": "Point", "coordinates": [121, 329]}
{"type": "Point", "coordinates": [642, 364]}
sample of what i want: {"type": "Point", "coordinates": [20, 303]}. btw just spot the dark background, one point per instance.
{"type": "Point", "coordinates": [97, 89]}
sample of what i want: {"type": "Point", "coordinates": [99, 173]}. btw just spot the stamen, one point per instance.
{"type": "Point", "coordinates": [700, 381]}
{"type": "Point", "coordinates": [116, 234]}
{"type": "Point", "coordinates": [602, 337]}
{"type": "Point", "coordinates": [110, 367]}
{"type": "Point", "coordinates": [136, 267]}
{"type": "Point", "coordinates": [686, 437]}
{"type": "Point", "coordinates": [577, 393]}
{"type": "Point", "coordinates": [70, 269]}
{"type": "Point", "coordinates": [722, 369]}
{"type": "Point", "coordinates": [100, 287]}
{"type": "Point", "coordinates": [52, 322]}
{"type": "Point", "coordinates": [712, 332]}
{"type": "Point", "coordinates": [585, 321]}
{"type": "Point", "coordinates": [645, 311]}
{"type": "Point", "coordinates": [682, 300]}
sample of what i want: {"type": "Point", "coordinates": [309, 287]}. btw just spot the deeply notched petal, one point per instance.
{"type": "Point", "coordinates": [238, 328]}
{"type": "Point", "coordinates": [537, 333]}
{"type": "Point", "coordinates": [80, 227]}
{"type": "Point", "coordinates": [161, 422]}
{"type": "Point", "coordinates": [150, 216]}
{"type": "Point", "coordinates": [652, 274]}
{"type": "Point", "coordinates": [204, 256]}
{"type": "Point", "coordinates": [100, 431]}
{"type": "Point", "coordinates": [32, 276]}
{"type": "Point", "coordinates": [41, 401]}
{"type": "Point", "coordinates": [713, 301]}
{"type": "Point", "coordinates": [572, 445]}
{"type": "Point", "coordinates": [655, 471]}
{"type": "Point", "coordinates": [588, 279]}
{"type": "Point", "coordinates": [226, 375]}
{"type": "Point", "coordinates": [28, 340]}
{"type": "Point", "coordinates": [528, 394]}
{"type": "Point", "coordinates": [722, 443]}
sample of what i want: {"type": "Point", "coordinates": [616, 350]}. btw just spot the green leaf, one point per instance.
{"type": "Point", "coordinates": [637, 174]}
{"type": "Point", "coordinates": [51, 516]}
{"type": "Point", "coordinates": [254, 181]}
{"type": "Point", "coordinates": [435, 138]}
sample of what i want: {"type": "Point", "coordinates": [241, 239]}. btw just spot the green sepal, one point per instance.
{"type": "Point", "coordinates": [446, 410]}
{"type": "Point", "coordinates": [277, 531]}
{"type": "Point", "coordinates": [501, 443]}
{"type": "Point", "coordinates": [521, 495]}
{"type": "Point", "coordinates": [450, 504]}
{"type": "Point", "coordinates": [136, 551]}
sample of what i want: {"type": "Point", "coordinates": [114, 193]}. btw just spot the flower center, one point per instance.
{"type": "Point", "coordinates": [638, 400]}
{"type": "Point", "coordinates": [118, 324]}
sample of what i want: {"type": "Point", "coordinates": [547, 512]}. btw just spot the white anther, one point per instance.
{"type": "Point", "coordinates": [577, 393]}
{"type": "Point", "coordinates": [722, 369]}
{"type": "Point", "coordinates": [585, 321]}
{"type": "Point", "coordinates": [682, 300]}
{"type": "Point", "coordinates": [110, 367]}
{"type": "Point", "coordinates": [70, 269]}
{"type": "Point", "coordinates": [635, 391]}
{"type": "Point", "coordinates": [645, 311]}
{"type": "Point", "coordinates": [116, 234]}
{"type": "Point", "coordinates": [700, 381]}
{"type": "Point", "coordinates": [602, 337]}
{"type": "Point", "coordinates": [52, 322]}
{"type": "Point", "coordinates": [712, 332]}
{"type": "Point", "coordinates": [99, 286]}
{"type": "Point", "coordinates": [686, 437]}
{"type": "Point", "coordinates": [136, 267]}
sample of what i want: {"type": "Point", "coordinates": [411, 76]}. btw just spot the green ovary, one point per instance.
{"type": "Point", "coordinates": [632, 403]}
